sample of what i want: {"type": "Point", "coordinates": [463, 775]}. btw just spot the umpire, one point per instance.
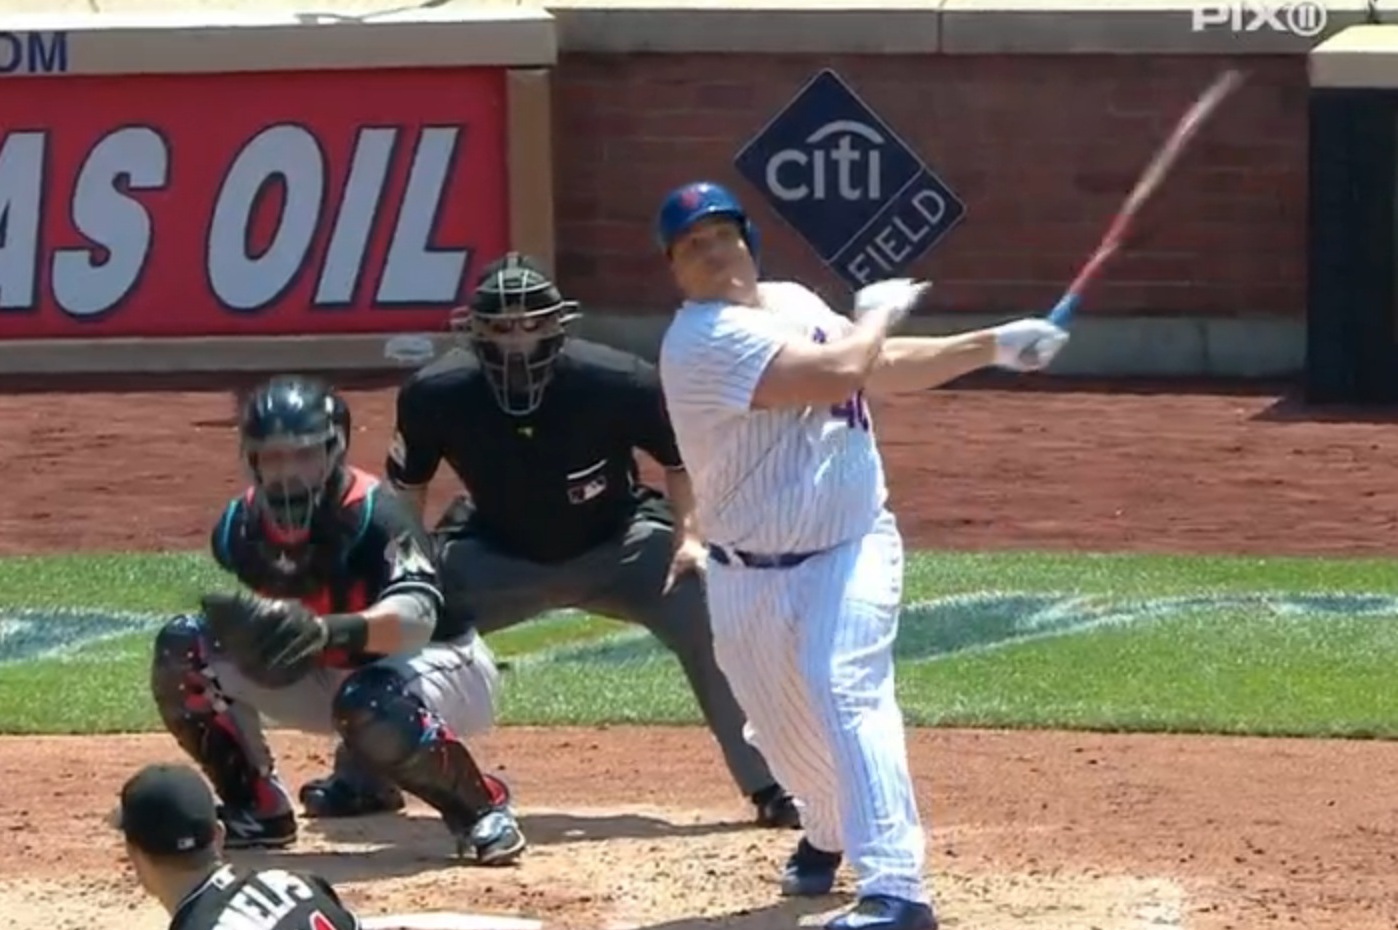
{"type": "Point", "coordinates": [174, 841]}
{"type": "Point", "coordinates": [540, 427]}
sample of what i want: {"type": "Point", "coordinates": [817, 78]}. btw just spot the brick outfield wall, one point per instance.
{"type": "Point", "coordinates": [1042, 149]}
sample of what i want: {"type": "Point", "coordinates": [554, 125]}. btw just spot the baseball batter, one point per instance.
{"type": "Point", "coordinates": [346, 636]}
{"type": "Point", "coordinates": [765, 385]}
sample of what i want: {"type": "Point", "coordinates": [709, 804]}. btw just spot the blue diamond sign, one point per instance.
{"type": "Point", "coordinates": [847, 184]}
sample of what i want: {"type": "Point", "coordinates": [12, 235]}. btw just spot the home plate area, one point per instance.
{"type": "Point", "coordinates": [608, 854]}
{"type": "Point", "coordinates": [690, 878]}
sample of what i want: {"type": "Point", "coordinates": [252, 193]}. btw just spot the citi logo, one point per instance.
{"type": "Point", "coordinates": [840, 160]}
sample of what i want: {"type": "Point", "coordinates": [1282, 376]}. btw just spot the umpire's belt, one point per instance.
{"type": "Point", "coordinates": [757, 559]}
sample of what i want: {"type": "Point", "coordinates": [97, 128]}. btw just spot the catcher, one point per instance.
{"type": "Point", "coordinates": [341, 632]}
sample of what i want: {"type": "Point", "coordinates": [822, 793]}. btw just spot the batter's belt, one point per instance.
{"type": "Point", "coordinates": [726, 556]}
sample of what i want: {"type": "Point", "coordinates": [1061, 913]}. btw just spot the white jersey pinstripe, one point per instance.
{"type": "Point", "coordinates": [786, 480]}
{"type": "Point", "coordinates": [808, 649]}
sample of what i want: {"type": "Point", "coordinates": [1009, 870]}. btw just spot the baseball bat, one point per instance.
{"type": "Point", "coordinates": [1148, 183]}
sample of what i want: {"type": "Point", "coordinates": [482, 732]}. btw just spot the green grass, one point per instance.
{"type": "Point", "coordinates": [1226, 672]}
{"type": "Point", "coordinates": [1029, 657]}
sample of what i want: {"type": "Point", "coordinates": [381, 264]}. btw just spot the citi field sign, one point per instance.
{"type": "Point", "coordinates": [259, 204]}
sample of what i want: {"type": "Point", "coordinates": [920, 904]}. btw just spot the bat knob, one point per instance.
{"type": "Point", "coordinates": [1063, 311]}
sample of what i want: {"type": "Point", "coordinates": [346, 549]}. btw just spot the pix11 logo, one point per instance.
{"type": "Point", "coordinates": [1304, 18]}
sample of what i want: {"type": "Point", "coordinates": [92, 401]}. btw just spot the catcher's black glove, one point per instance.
{"type": "Point", "coordinates": [273, 642]}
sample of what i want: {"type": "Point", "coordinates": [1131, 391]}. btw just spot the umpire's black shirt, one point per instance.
{"type": "Point", "coordinates": [267, 899]}
{"type": "Point", "coordinates": [550, 485]}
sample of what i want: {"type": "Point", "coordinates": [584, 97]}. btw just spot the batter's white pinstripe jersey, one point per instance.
{"type": "Point", "coordinates": [767, 481]}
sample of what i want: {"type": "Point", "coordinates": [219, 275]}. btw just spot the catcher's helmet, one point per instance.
{"type": "Point", "coordinates": [687, 205]}
{"type": "Point", "coordinates": [294, 433]}
{"type": "Point", "coordinates": [516, 324]}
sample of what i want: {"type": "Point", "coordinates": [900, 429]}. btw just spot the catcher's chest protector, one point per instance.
{"type": "Point", "coordinates": [326, 574]}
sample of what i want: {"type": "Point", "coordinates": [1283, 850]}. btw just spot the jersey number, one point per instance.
{"type": "Point", "coordinates": [854, 412]}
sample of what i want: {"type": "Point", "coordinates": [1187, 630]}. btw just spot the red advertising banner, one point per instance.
{"type": "Point", "coordinates": [242, 204]}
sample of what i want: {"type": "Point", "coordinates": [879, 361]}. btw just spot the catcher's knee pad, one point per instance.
{"type": "Point", "coordinates": [178, 681]}
{"type": "Point", "coordinates": [391, 731]}
{"type": "Point", "coordinates": [380, 720]}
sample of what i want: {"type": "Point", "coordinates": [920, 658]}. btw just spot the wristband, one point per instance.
{"type": "Point", "coordinates": [347, 632]}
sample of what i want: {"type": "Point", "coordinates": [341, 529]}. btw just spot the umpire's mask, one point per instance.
{"type": "Point", "coordinates": [516, 324]}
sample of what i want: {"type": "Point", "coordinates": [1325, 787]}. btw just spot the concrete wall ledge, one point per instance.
{"type": "Point", "coordinates": [968, 27]}
{"type": "Point", "coordinates": [1101, 346]}
{"type": "Point", "coordinates": [224, 41]}
{"type": "Point", "coordinates": [1359, 57]}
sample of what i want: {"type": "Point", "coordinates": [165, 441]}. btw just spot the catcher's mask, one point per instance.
{"type": "Point", "coordinates": [295, 432]}
{"type": "Point", "coordinates": [516, 324]}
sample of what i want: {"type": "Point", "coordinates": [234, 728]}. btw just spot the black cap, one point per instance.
{"type": "Point", "coordinates": [517, 281]}
{"type": "Point", "coordinates": [168, 810]}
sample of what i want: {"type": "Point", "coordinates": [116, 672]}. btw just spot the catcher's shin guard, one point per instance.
{"type": "Point", "coordinates": [224, 738]}
{"type": "Point", "coordinates": [391, 731]}
{"type": "Point", "coordinates": [349, 791]}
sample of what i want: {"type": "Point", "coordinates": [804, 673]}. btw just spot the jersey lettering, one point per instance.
{"type": "Point", "coordinates": [320, 922]}
{"type": "Point", "coordinates": [263, 902]}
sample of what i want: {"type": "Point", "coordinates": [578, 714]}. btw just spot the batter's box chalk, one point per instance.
{"type": "Point", "coordinates": [449, 920]}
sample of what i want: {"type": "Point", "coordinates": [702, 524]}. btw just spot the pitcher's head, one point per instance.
{"type": "Point", "coordinates": [169, 820]}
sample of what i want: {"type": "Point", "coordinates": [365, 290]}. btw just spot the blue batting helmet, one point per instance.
{"type": "Point", "coordinates": [687, 205]}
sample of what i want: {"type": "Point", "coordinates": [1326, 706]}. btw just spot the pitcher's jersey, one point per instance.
{"type": "Point", "coordinates": [767, 481]}
{"type": "Point", "coordinates": [266, 899]}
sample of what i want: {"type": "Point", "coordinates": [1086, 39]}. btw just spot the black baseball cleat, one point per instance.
{"type": "Point", "coordinates": [491, 834]}
{"type": "Point", "coordinates": [776, 808]}
{"type": "Point", "coordinates": [881, 912]}
{"type": "Point", "coordinates": [497, 838]}
{"type": "Point", "coordinates": [247, 830]}
{"type": "Point", "coordinates": [339, 797]}
{"type": "Point", "coordinates": [494, 839]}
{"type": "Point", "coordinates": [810, 872]}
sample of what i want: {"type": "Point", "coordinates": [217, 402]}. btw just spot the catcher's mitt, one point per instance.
{"type": "Point", "coordinates": [273, 642]}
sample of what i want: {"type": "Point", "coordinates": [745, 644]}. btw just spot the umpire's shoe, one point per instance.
{"type": "Point", "coordinates": [247, 830]}
{"type": "Point", "coordinates": [776, 808]}
{"type": "Point", "coordinates": [810, 872]}
{"type": "Point", "coordinates": [881, 912]}
{"type": "Point", "coordinates": [339, 797]}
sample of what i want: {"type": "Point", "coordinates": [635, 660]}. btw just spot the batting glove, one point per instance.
{"type": "Point", "coordinates": [1028, 344]}
{"type": "Point", "coordinates": [900, 295]}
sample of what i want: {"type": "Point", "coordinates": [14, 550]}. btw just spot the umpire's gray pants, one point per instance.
{"type": "Point", "coordinates": [622, 580]}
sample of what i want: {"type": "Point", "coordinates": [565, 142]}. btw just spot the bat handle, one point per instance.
{"type": "Point", "coordinates": [1063, 311]}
